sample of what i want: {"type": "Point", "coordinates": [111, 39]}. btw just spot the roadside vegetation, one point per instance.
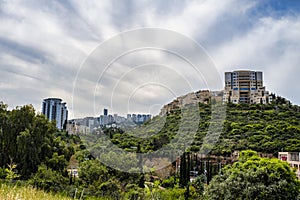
{"type": "Point", "coordinates": [13, 192]}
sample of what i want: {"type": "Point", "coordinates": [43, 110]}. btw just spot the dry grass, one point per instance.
{"type": "Point", "coordinates": [8, 192]}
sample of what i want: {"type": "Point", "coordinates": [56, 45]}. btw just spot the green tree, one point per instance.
{"type": "Point", "coordinates": [58, 163]}
{"type": "Point", "coordinates": [111, 188]}
{"type": "Point", "coordinates": [93, 172]}
{"type": "Point", "coordinates": [253, 177]}
{"type": "Point", "coordinates": [184, 174]}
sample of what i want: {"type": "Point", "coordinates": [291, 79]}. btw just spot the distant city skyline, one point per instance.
{"type": "Point", "coordinates": [43, 47]}
{"type": "Point", "coordinates": [90, 124]}
{"type": "Point", "coordinates": [106, 112]}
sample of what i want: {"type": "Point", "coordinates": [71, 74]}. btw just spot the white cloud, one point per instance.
{"type": "Point", "coordinates": [271, 46]}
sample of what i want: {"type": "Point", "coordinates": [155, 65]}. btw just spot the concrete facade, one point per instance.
{"type": "Point", "coordinates": [293, 158]}
{"type": "Point", "coordinates": [244, 86]}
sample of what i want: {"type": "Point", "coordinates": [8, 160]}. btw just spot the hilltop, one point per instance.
{"type": "Point", "coordinates": [266, 128]}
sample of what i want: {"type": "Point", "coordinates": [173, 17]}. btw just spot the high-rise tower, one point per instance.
{"type": "Point", "coordinates": [55, 109]}
{"type": "Point", "coordinates": [105, 111]}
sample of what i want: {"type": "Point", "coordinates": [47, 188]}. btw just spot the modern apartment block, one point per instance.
{"type": "Point", "coordinates": [55, 109]}
{"type": "Point", "coordinates": [244, 86]}
{"type": "Point", "coordinates": [293, 158]}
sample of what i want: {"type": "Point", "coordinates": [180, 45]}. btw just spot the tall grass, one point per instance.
{"type": "Point", "coordinates": [10, 192]}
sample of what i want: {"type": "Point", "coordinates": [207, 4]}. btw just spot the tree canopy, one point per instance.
{"type": "Point", "coordinates": [253, 177]}
{"type": "Point", "coordinates": [28, 140]}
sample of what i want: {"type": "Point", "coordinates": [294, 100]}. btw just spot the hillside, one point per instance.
{"type": "Point", "coordinates": [263, 128]}
{"type": "Point", "coordinates": [266, 128]}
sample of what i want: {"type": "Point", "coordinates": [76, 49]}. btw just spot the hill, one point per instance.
{"type": "Point", "coordinates": [266, 128]}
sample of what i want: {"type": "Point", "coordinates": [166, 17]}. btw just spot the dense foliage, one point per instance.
{"type": "Point", "coordinates": [253, 177]}
{"type": "Point", "coordinates": [28, 140]}
{"type": "Point", "coordinates": [263, 128]}
{"type": "Point", "coordinates": [33, 150]}
{"type": "Point", "coordinates": [268, 128]}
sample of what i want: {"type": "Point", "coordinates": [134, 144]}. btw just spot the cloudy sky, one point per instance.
{"type": "Point", "coordinates": [94, 54]}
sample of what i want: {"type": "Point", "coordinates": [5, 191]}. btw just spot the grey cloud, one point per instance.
{"type": "Point", "coordinates": [22, 51]}
{"type": "Point", "coordinates": [44, 43]}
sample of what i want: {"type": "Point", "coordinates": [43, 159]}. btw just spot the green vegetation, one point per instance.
{"type": "Point", "coordinates": [28, 140]}
{"type": "Point", "coordinates": [13, 192]}
{"type": "Point", "coordinates": [253, 177]}
{"type": "Point", "coordinates": [34, 151]}
{"type": "Point", "coordinates": [264, 128]}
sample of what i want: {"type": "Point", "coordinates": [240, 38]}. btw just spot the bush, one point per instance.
{"type": "Point", "coordinates": [253, 177]}
{"type": "Point", "coordinates": [168, 183]}
{"type": "Point", "coordinates": [111, 188]}
{"type": "Point", "coordinates": [48, 180]}
{"type": "Point", "coordinates": [2, 173]}
{"type": "Point", "coordinates": [135, 193]}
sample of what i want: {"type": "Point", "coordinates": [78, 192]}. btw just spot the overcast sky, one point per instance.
{"type": "Point", "coordinates": [61, 49]}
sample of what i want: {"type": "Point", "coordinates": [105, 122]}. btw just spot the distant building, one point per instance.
{"type": "Point", "coordinates": [55, 109]}
{"type": "Point", "coordinates": [103, 120]}
{"type": "Point", "coordinates": [244, 86]}
{"type": "Point", "coordinates": [293, 158]}
{"type": "Point", "coordinates": [105, 112]}
{"type": "Point", "coordinates": [110, 119]}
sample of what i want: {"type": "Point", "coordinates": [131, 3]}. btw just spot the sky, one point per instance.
{"type": "Point", "coordinates": [133, 56]}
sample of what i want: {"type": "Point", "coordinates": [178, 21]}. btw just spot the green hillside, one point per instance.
{"type": "Point", "coordinates": [263, 128]}
{"type": "Point", "coordinates": [267, 128]}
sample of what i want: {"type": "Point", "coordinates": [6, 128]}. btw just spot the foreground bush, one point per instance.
{"type": "Point", "coordinates": [253, 177]}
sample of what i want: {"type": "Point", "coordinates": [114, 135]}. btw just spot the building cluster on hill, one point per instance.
{"type": "Point", "coordinates": [242, 86]}
{"type": "Point", "coordinates": [202, 96]}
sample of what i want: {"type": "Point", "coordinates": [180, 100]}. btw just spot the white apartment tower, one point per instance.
{"type": "Point", "coordinates": [244, 86]}
{"type": "Point", "coordinates": [55, 109]}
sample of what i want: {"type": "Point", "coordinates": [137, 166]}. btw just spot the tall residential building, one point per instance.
{"type": "Point", "coordinates": [55, 109]}
{"type": "Point", "coordinates": [105, 111]}
{"type": "Point", "coordinates": [244, 86]}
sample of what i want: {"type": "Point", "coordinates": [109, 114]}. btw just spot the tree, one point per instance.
{"type": "Point", "coordinates": [184, 176]}
{"type": "Point", "coordinates": [30, 140]}
{"type": "Point", "coordinates": [253, 177]}
{"type": "Point", "coordinates": [57, 163]}
{"type": "Point", "coordinates": [93, 172]}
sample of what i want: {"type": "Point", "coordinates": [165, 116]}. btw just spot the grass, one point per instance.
{"type": "Point", "coordinates": [10, 192]}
